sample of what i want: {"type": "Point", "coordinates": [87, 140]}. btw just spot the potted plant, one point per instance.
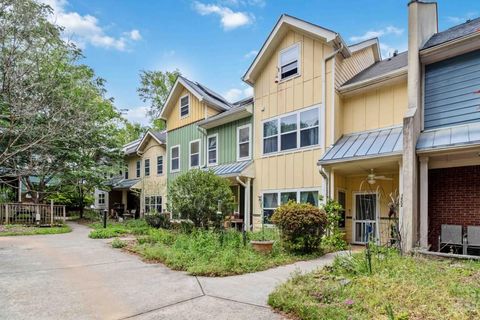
{"type": "Point", "coordinates": [263, 245]}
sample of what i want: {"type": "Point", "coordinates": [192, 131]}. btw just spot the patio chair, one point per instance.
{"type": "Point", "coordinates": [450, 234]}
{"type": "Point", "coordinates": [472, 238]}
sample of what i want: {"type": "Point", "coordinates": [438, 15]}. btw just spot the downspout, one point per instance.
{"type": "Point", "coordinates": [324, 98]}
{"type": "Point", "coordinates": [203, 155]}
{"type": "Point", "coordinates": [326, 184]}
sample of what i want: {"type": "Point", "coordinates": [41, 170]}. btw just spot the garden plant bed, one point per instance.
{"type": "Point", "coordinates": [21, 230]}
{"type": "Point", "coordinates": [397, 288]}
{"type": "Point", "coordinates": [199, 252]}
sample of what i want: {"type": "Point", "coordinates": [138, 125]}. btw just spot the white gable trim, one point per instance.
{"type": "Point", "coordinates": [148, 133]}
{"type": "Point", "coordinates": [174, 91]}
{"type": "Point", "coordinates": [294, 23]}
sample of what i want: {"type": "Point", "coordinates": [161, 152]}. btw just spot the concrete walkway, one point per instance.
{"type": "Point", "coordinates": [70, 276]}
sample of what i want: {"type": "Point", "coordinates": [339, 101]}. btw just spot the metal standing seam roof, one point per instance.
{"type": "Point", "coordinates": [229, 169]}
{"type": "Point", "coordinates": [125, 184]}
{"type": "Point", "coordinates": [366, 144]}
{"type": "Point", "coordinates": [449, 137]}
{"type": "Point", "coordinates": [458, 31]}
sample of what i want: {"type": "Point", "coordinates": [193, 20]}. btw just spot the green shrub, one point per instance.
{"type": "Point", "coordinates": [158, 220]}
{"type": "Point", "coordinates": [196, 194]}
{"type": "Point", "coordinates": [334, 239]}
{"type": "Point", "coordinates": [301, 226]}
{"type": "Point", "coordinates": [118, 244]}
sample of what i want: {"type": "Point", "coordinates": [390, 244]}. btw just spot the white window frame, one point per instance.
{"type": "Point", "coordinates": [199, 154]}
{"type": "Point", "coordinates": [215, 135]}
{"type": "Point", "coordinates": [171, 159]}
{"type": "Point", "coordinates": [180, 106]}
{"type": "Point", "coordinates": [249, 126]}
{"type": "Point", "coordinates": [354, 215]}
{"type": "Point", "coordinates": [138, 168]}
{"type": "Point", "coordinates": [279, 134]}
{"type": "Point", "coordinates": [279, 66]}
{"type": "Point", "coordinates": [279, 194]}
{"type": "Point", "coordinates": [160, 174]}
{"type": "Point", "coordinates": [145, 161]}
{"type": "Point", "coordinates": [102, 198]}
{"type": "Point", "coordinates": [150, 203]}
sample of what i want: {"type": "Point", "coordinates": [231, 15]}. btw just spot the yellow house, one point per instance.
{"type": "Point", "coordinates": [311, 89]}
{"type": "Point", "coordinates": [141, 187]}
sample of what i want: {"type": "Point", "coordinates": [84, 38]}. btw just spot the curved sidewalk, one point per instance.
{"type": "Point", "coordinates": [69, 276]}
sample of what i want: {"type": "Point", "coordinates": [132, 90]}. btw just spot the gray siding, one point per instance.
{"type": "Point", "coordinates": [451, 91]}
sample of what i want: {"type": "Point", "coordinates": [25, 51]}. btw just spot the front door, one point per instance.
{"type": "Point", "coordinates": [365, 227]}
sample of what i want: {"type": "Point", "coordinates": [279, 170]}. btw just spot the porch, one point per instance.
{"type": "Point", "coordinates": [362, 171]}
{"type": "Point", "coordinates": [450, 189]}
{"type": "Point", "coordinates": [123, 199]}
{"type": "Point", "coordinates": [240, 175]}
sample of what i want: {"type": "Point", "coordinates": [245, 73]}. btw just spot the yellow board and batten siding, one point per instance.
{"type": "Point", "coordinates": [295, 169]}
{"type": "Point", "coordinates": [154, 184]}
{"type": "Point", "coordinates": [198, 110]}
{"type": "Point", "coordinates": [377, 108]}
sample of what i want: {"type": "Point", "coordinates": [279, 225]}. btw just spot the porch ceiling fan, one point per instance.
{"type": "Point", "coordinates": [372, 177]}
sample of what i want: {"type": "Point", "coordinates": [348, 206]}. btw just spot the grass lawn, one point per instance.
{"type": "Point", "coordinates": [199, 252]}
{"type": "Point", "coordinates": [20, 230]}
{"type": "Point", "coordinates": [398, 288]}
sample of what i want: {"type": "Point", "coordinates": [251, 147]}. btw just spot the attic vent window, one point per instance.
{"type": "Point", "coordinates": [184, 106]}
{"type": "Point", "coordinates": [288, 62]}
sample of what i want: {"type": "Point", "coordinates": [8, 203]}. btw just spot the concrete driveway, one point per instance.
{"type": "Point", "coordinates": [70, 276]}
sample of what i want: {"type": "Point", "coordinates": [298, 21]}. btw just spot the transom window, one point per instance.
{"type": "Point", "coordinates": [175, 159]}
{"type": "Point", "coordinates": [147, 167]}
{"type": "Point", "coordinates": [184, 106]}
{"type": "Point", "coordinates": [243, 142]}
{"type": "Point", "coordinates": [160, 165]}
{"type": "Point", "coordinates": [292, 131]}
{"type": "Point", "coordinates": [153, 204]}
{"type": "Point", "coordinates": [194, 154]}
{"type": "Point", "coordinates": [288, 62]}
{"type": "Point", "coordinates": [101, 198]}
{"type": "Point", "coordinates": [271, 200]}
{"type": "Point", "coordinates": [138, 168]}
{"type": "Point", "coordinates": [212, 149]}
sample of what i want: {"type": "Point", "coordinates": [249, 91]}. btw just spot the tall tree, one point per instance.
{"type": "Point", "coordinates": [154, 89]}
{"type": "Point", "coordinates": [55, 123]}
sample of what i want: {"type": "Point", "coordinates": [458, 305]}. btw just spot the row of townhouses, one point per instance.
{"type": "Point", "coordinates": [397, 138]}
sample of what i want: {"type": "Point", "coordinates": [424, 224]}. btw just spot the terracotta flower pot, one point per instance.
{"type": "Point", "coordinates": [264, 246]}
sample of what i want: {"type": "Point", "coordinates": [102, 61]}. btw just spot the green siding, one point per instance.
{"type": "Point", "coordinates": [182, 136]}
{"type": "Point", "coordinates": [227, 140]}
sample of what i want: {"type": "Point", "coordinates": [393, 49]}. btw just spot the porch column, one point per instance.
{"type": "Point", "coordinates": [246, 214]}
{"type": "Point", "coordinates": [124, 198]}
{"type": "Point", "coordinates": [19, 190]}
{"type": "Point", "coordinates": [424, 202]}
{"type": "Point", "coordinates": [332, 184]}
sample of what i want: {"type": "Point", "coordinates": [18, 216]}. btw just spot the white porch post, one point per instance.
{"type": "Point", "coordinates": [124, 198]}
{"type": "Point", "coordinates": [424, 202]}
{"type": "Point", "coordinates": [246, 214]}
{"type": "Point", "coordinates": [332, 184]}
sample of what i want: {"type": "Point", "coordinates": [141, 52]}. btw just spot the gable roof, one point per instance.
{"type": "Point", "coordinates": [159, 136]}
{"type": "Point", "coordinates": [131, 147]}
{"type": "Point", "coordinates": [467, 28]}
{"type": "Point", "coordinates": [365, 44]}
{"type": "Point", "coordinates": [380, 68]}
{"type": "Point", "coordinates": [285, 23]}
{"type": "Point", "coordinates": [200, 91]}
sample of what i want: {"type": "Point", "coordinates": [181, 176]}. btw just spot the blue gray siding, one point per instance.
{"type": "Point", "coordinates": [451, 91]}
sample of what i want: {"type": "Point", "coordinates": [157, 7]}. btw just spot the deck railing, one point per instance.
{"type": "Point", "coordinates": [32, 214]}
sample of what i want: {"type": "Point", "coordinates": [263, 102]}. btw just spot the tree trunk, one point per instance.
{"type": "Point", "coordinates": [80, 192]}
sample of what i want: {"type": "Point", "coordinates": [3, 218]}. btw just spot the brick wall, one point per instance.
{"type": "Point", "coordinates": [453, 198]}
